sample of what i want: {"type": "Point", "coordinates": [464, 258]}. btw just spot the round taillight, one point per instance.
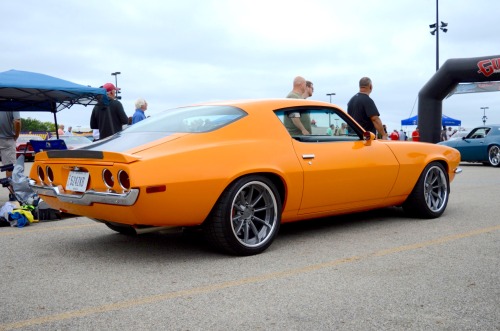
{"type": "Point", "coordinates": [124, 180]}
{"type": "Point", "coordinates": [50, 174]}
{"type": "Point", "coordinates": [41, 174]}
{"type": "Point", "coordinates": [107, 178]}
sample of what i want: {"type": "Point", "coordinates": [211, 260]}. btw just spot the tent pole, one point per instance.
{"type": "Point", "coordinates": [54, 111]}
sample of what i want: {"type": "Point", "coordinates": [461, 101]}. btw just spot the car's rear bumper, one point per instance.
{"type": "Point", "coordinates": [89, 197]}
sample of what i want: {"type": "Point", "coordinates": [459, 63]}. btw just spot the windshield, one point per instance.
{"type": "Point", "coordinates": [189, 119]}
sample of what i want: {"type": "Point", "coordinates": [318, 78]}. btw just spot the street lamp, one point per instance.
{"type": "Point", "coordinates": [484, 114]}
{"type": "Point", "coordinates": [116, 83]}
{"type": "Point", "coordinates": [437, 27]}
{"type": "Point", "coordinates": [330, 113]}
{"type": "Point", "coordinates": [330, 95]}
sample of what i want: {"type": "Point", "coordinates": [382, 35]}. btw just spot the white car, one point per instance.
{"type": "Point", "coordinates": [459, 135]}
{"type": "Point", "coordinates": [74, 142]}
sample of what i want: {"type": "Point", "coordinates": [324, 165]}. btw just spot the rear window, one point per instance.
{"type": "Point", "coordinates": [189, 119]}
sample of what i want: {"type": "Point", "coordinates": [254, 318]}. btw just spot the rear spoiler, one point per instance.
{"type": "Point", "coordinates": [82, 154]}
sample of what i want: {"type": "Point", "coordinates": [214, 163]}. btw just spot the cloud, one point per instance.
{"type": "Point", "coordinates": [175, 53]}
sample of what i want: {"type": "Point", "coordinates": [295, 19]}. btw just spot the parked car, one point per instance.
{"type": "Point", "coordinates": [74, 142]}
{"type": "Point", "coordinates": [234, 170]}
{"type": "Point", "coordinates": [21, 149]}
{"type": "Point", "coordinates": [481, 144]}
{"type": "Point", "coordinates": [459, 135]}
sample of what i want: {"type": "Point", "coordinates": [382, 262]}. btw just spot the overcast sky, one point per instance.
{"type": "Point", "coordinates": [176, 53]}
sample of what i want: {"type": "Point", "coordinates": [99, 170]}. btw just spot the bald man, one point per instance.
{"type": "Point", "coordinates": [362, 108]}
{"type": "Point", "coordinates": [298, 123]}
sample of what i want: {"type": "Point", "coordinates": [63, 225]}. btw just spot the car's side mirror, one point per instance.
{"type": "Point", "coordinates": [367, 136]}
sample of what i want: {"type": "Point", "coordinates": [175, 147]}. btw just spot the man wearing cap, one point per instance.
{"type": "Point", "coordinates": [108, 119]}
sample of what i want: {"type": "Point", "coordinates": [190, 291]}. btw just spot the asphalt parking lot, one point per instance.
{"type": "Point", "coordinates": [372, 271]}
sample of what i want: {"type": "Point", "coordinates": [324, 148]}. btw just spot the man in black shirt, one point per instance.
{"type": "Point", "coordinates": [108, 119]}
{"type": "Point", "coordinates": [362, 108]}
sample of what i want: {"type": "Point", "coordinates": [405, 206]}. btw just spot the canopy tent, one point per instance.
{"type": "Point", "coordinates": [30, 91]}
{"type": "Point", "coordinates": [445, 120]}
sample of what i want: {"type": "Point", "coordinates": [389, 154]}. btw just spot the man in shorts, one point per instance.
{"type": "Point", "coordinates": [10, 127]}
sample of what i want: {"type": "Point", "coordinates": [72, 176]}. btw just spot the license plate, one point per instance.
{"type": "Point", "coordinates": [77, 181]}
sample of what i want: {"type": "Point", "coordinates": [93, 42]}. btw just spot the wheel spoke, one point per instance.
{"type": "Point", "coordinates": [257, 199]}
{"type": "Point", "coordinates": [254, 230]}
{"type": "Point", "coordinates": [261, 221]}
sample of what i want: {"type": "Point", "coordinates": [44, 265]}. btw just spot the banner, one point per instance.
{"type": "Point", "coordinates": [463, 88]}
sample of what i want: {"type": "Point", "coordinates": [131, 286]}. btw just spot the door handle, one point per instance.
{"type": "Point", "coordinates": [308, 156]}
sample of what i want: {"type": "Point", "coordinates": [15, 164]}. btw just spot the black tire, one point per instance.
{"type": "Point", "coordinates": [122, 229]}
{"type": "Point", "coordinates": [429, 197]}
{"type": "Point", "coordinates": [494, 156]}
{"type": "Point", "coordinates": [246, 218]}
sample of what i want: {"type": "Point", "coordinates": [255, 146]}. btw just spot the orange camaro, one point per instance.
{"type": "Point", "coordinates": [240, 169]}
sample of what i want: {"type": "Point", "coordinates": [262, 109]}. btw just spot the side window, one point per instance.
{"type": "Point", "coordinates": [478, 133]}
{"type": "Point", "coordinates": [323, 124]}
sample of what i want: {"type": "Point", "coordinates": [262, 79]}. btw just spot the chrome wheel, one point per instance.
{"type": "Point", "coordinates": [494, 155]}
{"type": "Point", "coordinates": [246, 218]}
{"type": "Point", "coordinates": [430, 194]}
{"type": "Point", "coordinates": [436, 189]}
{"type": "Point", "coordinates": [254, 214]}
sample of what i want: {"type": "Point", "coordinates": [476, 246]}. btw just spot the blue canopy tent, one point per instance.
{"type": "Point", "coordinates": [30, 91]}
{"type": "Point", "coordinates": [445, 120]}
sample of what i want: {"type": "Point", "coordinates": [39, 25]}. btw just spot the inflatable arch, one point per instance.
{"type": "Point", "coordinates": [453, 71]}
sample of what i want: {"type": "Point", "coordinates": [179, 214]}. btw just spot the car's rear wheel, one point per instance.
{"type": "Point", "coordinates": [246, 218]}
{"type": "Point", "coordinates": [494, 155]}
{"type": "Point", "coordinates": [429, 197]}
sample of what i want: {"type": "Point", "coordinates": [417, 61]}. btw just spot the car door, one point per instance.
{"type": "Point", "coordinates": [473, 147]}
{"type": "Point", "coordinates": [343, 171]}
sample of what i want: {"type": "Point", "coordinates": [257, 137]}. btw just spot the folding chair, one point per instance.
{"type": "Point", "coordinates": [46, 145]}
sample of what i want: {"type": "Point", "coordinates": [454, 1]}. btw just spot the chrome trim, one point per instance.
{"type": "Point", "coordinates": [308, 156]}
{"type": "Point", "coordinates": [458, 170]}
{"type": "Point", "coordinates": [89, 197]}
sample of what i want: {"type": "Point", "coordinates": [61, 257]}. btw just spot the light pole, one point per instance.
{"type": "Point", "coordinates": [437, 27]}
{"type": "Point", "coordinates": [330, 95]}
{"type": "Point", "coordinates": [484, 114]}
{"type": "Point", "coordinates": [330, 113]}
{"type": "Point", "coordinates": [116, 83]}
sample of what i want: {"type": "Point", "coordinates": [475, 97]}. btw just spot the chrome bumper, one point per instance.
{"type": "Point", "coordinates": [458, 170]}
{"type": "Point", "coordinates": [89, 197]}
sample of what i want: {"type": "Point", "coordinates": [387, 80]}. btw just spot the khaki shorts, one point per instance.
{"type": "Point", "coordinates": [8, 151]}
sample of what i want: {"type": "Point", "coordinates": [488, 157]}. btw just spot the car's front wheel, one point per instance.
{"type": "Point", "coordinates": [246, 218]}
{"type": "Point", "coordinates": [429, 197]}
{"type": "Point", "coordinates": [494, 155]}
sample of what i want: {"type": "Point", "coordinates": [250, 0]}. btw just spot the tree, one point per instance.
{"type": "Point", "coordinates": [31, 124]}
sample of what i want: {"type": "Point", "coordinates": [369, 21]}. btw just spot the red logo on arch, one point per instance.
{"type": "Point", "coordinates": [489, 67]}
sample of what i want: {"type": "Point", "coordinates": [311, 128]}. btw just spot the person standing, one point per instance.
{"type": "Point", "coordinates": [443, 134]}
{"type": "Point", "coordinates": [10, 128]}
{"type": "Point", "coordinates": [298, 123]}
{"type": "Point", "coordinates": [402, 135]}
{"type": "Point", "coordinates": [140, 107]}
{"type": "Point", "coordinates": [415, 135]}
{"type": "Point", "coordinates": [108, 119]}
{"type": "Point", "coordinates": [449, 133]}
{"type": "Point", "coordinates": [69, 132]}
{"type": "Point", "coordinates": [362, 108]}
{"type": "Point", "coordinates": [309, 90]}
{"type": "Point", "coordinates": [394, 135]}
{"type": "Point", "coordinates": [60, 131]}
